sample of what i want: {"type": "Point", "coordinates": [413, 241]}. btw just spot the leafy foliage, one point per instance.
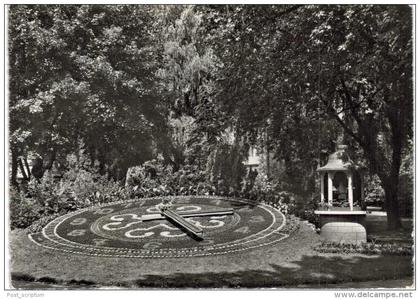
{"type": "Point", "coordinates": [323, 69]}
{"type": "Point", "coordinates": [370, 248]}
{"type": "Point", "coordinates": [101, 92]}
{"type": "Point", "coordinates": [23, 211]}
{"type": "Point", "coordinates": [116, 82]}
{"type": "Point", "coordinates": [50, 197]}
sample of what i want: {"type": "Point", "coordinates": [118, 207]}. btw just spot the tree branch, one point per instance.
{"type": "Point", "coordinates": [348, 98]}
{"type": "Point", "coordinates": [334, 114]}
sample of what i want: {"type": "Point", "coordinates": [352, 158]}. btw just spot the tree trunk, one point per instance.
{"type": "Point", "coordinates": [387, 169]}
{"type": "Point", "coordinates": [37, 170]}
{"type": "Point", "coordinates": [49, 160]}
{"type": "Point", "coordinates": [391, 188]}
{"type": "Point", "coordinates": [14, 165]}
{"type": "Point", "coordinates": [22, 169]}
{"type": "Point", "coordinates": [28, 169]}
{"type": "Point", "coordinates": [391, 203]}
{"type": "Point", "coordinates": [102, 162]}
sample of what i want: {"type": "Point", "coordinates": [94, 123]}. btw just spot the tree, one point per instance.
{"type": "Point", "coordinates": [290, 78]}
{"type": "Point", "coordinates": [366, 83]}
{"type": "Point", "coordinates": [351, 65]}
{"type": "Point", "coordinates": [84, 74]}
{"type": "Point", "coordinates": [262, 92]}
{"type": "Point", "coordinates": [187, 73]}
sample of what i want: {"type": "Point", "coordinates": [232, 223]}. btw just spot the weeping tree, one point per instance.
{"type": "Point", "coordinates": [187, 73]}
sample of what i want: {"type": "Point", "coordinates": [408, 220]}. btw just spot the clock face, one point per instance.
{"type": "Point", "coordinates": [119, 229]}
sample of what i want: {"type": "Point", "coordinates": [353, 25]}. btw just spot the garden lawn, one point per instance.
{"type": "Point", "coordinates": [290, 263]}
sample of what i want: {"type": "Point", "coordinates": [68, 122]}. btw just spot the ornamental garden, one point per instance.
{"type": "Point", "coordinates": [210, 146]}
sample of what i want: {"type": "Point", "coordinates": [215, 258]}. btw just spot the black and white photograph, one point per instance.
{"type": "Point", "coordinates": [209, 147]}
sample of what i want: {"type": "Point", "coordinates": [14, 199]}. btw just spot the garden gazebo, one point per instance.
{"type": "Point", "coordinates": [340, 180]}
{"type": "Point", "coordinates": [342, 218]}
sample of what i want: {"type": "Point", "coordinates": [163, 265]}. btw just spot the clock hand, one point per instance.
{"type": "Point", "coordinates": [184, 224]}
{"type": "Point", "coordinates": [149, 217]}
{"type": "Point", "coordinates": [179, 218]}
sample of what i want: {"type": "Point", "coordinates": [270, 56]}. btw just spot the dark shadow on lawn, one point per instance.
{"type": "Point", "coordinates": [27, 282]}
{"type": "Point", "coordinates": [310, 272]}
{"type": "Point", "coordinates": [378, 231]}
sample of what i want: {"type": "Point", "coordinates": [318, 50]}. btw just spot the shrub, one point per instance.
{"type": "Point", "coordinates": [264, 190]}
{"type": "Point", "coordinates": [81, 186]}
{"type": "Point", "coordinates": [23, 211]}
{"type": "Point", "coordinates": [49, 197]}
{"type": "Point", "coordinates": [305, 209]}
{"type": "Point", "coordinates": [189, 180]}
{"type": "Point", "coordinates": [375, 194]}
{"type": "Point", "coordinates": [369, 248]}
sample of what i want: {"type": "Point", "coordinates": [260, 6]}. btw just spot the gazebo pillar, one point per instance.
{"type": "Point", "coordinates": [350, 189]}
{"type": "Point", "coordinates": [330, 188]}
{"type": "Point", "coordinates": [362, 189]}
{"type": "Point", "coordinates": [322, 188]}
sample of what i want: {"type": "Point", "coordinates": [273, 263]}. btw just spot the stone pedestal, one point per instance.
{"type": "Point", "coordinates": [343, 226]}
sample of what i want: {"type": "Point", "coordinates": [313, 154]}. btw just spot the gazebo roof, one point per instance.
{"type": "Point", "coordinates": [338, 161]}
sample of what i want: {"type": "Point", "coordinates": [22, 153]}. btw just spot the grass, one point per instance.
{"type": "Point", "coordinates": [290, 263]}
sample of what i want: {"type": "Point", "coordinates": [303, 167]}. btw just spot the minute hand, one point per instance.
{"type": "Point", "coordinates": [187, 214]}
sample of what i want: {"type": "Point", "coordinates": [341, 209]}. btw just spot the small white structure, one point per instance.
{"type": "Point", "coordinates": [341, 220]}
{"type": "Point", "coordinates": [338, 179]}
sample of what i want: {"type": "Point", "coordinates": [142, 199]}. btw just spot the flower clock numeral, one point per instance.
{"type": "Point", "coordinates": [104, 211]}
{"type": "Point", "coordinates": [243, 229]}
{"type": "Point", "coordinates": [77, 232]}
{"type": "Point", "coordinates": [78, 221]}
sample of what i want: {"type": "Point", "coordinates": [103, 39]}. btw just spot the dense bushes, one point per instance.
{"type": "Point", "coordinates": [23, 210]}
{"type": "Point", "coordinates": [370, 248]}
{"type": "Point", "coordinates": [154, 179]}
{"type": "Point", "coordinates": [81, 187]}
{"type": "Point", "coordinates": [50, 197]}
{"type": "Point", "coordinates": [375, 194]}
